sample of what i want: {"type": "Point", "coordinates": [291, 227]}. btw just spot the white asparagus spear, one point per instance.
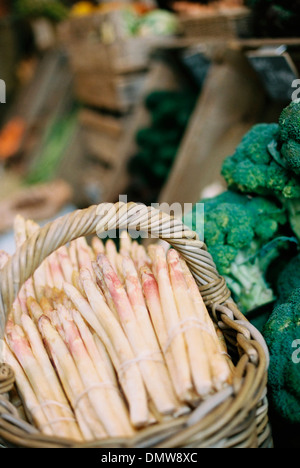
{"type": "Point", "coordinates": [73, 255]}
{"type": "Point", "coordinates": [136, 298]}
{"type": "Point", "coordinates": [35, 310]}
{"type": "Point", "coordinates": [97, 246]}
{"type": "Point", "coordinates": [154, 384]}
{"type": "Point", "coordinates": [176, 343]}
{"type": "Point", "coordinates": [65, 263]}
{"type": "Point", "coordinates": [40, 354]}
{"type": "Point", "coordinates": [85, 254]}
{"type": "Point", "coordinates": [16, 307]}
{"type": "Point", "coordinates": [224, 349]}
{"type": "Point", "coordinates": [21, 348]}
{"type": "Point", "coordinates": [97, 388]}
{"type": "Point", "coordinates": [141, 258]}
{"type": "Point", "coordinates": [119, 267]}
{"type": "Point", "coordinates": [81, 410]}
{"type": "Point", "coordinates": [101, 368]}
{"type": "Point", "coordinates": [56, 271]}
{"type": "Point", "coordinates": [4, 257]}
{"type": "Point", "coordinates": [39, 276]}
{"type": "Point", "coordinates": [193, 334]}
{"type": "Point", "coordinates": [125, 243]}
{"type": "Point", "coordinates": [105, 358]}
{"type": "Point", "coordinates": [101, 283]}
{"type": "Point", "coordinates": [151, 293]}
{"type": "Point", "coordinates": [27, 394]}
{"type": "Point", "coordinates": [76, 282]}
{"type": "Point", "coordinates": [219, 367]}
{"type": "Point", "coordinates": [111, 253]}
{"type": "Point", "coordinates": [130, 378]}
{"type": "Point", "coordinates": [134, 247]}
{"type": "Point", "coordinates": [16, 312]}
{"type": "Point", "coordinates": [20, 237]}
{"type": "Point", "coordinates": [70, 377]}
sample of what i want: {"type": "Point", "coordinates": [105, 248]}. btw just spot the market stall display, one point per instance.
{"type": "Point", "coordinates": [156, 305]}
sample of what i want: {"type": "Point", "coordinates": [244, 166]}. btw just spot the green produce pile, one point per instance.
{"type": "Point", "coordinates": [276, 18]}
{"type": "Point", "coordinates": [51, 9]}
{"type": "Point", "coordinates": [253, 234]}
{"type": "Point", "coordinates": [158, 144]}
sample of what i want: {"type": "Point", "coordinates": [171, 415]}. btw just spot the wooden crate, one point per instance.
{"type": "Point", "coordinates": [99, 41]}
{"type": "Point", "coordinates": [115, 93]}
{"type": "Point", "coordinates": [162, 76]}
{"type": "Point", "coordinates": [102, 136]}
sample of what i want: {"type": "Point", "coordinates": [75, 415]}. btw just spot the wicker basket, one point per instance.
{"type": "Point", "coordinates": [236, 417]}
{"type": "Point", "coordinates": [234, 24]}
{"type": "Point", "coordinates": [99, 41]}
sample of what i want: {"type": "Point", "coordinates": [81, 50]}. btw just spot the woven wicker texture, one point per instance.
{"type": "Point", "coordinates": [234, 417]}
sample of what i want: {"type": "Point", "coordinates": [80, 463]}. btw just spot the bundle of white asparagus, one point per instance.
{"type": "Point", "coordinates": [103, 342]}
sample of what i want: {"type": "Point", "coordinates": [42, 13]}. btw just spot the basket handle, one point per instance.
{"type": "Point", "coordinates": [103, 218]}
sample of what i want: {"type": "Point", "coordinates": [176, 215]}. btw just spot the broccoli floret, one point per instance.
{"type": "Point", "coordinates": [281, 333]}
{"type": "Point", "coordinates": [243, 235]}
{"type": "Point", "coordinates": [288, 279]}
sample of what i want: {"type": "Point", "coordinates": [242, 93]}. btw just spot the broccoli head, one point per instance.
{"type": "Point", "coordinates": [282, 333]}
{"type": "Point", "coordinates": [289, 141]}
{"type": "Point", "coordinates": [243, 235]}
{"type": "Point", "coordinates": [252, 169]}
{"type": "Point", "coordinates": [258, 167]}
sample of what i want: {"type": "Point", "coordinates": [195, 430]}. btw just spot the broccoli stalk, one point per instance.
{"type": "Point", "coordinates": [248, 284]}
{"type": "Point", "coordinates": [247, 278]}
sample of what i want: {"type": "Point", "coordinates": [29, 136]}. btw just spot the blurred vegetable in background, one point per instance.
{"type": "Point", "coordinates": [158, 144]}
{"type": "Point", "coordinates": [276, 17]}
{"type": "Point", "coordinates": [51, 9]}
